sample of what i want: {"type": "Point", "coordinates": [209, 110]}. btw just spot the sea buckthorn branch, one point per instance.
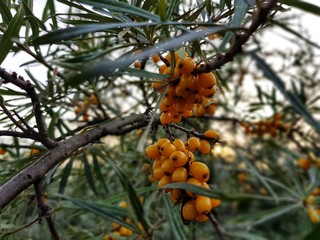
{"type": "Point", "coordinates": [37, 170]}
{"type": "Point", "coordinates": [44, 210]}
{"type": "Point", "coordinates": [41, 135]}
{"type": "Point", "coordinates": [259, 19]}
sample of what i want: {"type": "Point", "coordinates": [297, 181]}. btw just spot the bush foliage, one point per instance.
{"type": "Point", "coordinates": [114, 77]}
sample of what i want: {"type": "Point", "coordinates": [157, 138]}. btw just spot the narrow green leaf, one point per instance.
{"type": "Point", "coordinates": [5, 13]}
{"type": "Point", "coordinates": [121, 7]}
{"type": "Point", "coordinates": [87, 170]}
{"type": "Point", "coordinates": [97, 169]}
{"type": "Point", "coordinates": [162, 11]}
{"type": "Point", "coordinates": [240, 10]}
{"type": "Point", "coordinates": [131, 193]}
{"type": "Point", "coordinates": [173, 221]}
{"type": "Point", "coordinates": [65, 176]}
{"type": "Point", "coordinates": [6, 41]}
{"type": "Point", "coordinates": [304, 6]}
{"type": "Point", "coordinates": [111, 213]}
{"type": "Point", "coordinates": [293, 99]}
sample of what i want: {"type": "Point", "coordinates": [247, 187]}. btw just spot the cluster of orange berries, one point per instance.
{"type": "Point", "coordinates": [174, 161]}
{"type": "Point", "coordinates": [186, 93]}
{"type": "Point", "coordinates": [313, 209]}
{"type": "Point", "coordinates": [84, 108]}
{"type": "Point", "coordinates": [121, 231]}
{"type": "Point", "coordinates": [271, 126]}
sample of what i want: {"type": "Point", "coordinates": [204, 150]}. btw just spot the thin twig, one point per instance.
{"type": "Point", "coordinates": [221, 233]}
{"type": "Point", "coordinates": [259, 19]}
{"type": "Point", "coordinates": [44, 210]}
{"type": "Point", "coordinates": [19, 229]}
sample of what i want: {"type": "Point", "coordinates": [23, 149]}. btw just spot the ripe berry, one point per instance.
{"type": "Point", "coordinates": [199, 171]}
{"type": "Point", "coordinates": [158, 173]}
{"type": "Point", "coordinates": [215, 202]}
{"type": "Point", "coordinates": [155, 58]}
{"type": "Point", "coordinates": [164, 181]}
{"type": "Point", "coordinates": [137, 64]}
{"type": "Point", "coordinates": [178, 159]}
{"type": "Point", "coordinates": [180, 175]}
{"type": "Point", "coordinates": [211, 134]}
{"type": "Point", "coordinates": [125, 231]}
{"type": "Point", "coordinates": [201, 218]}
{"type": "Point", "coordinates": [186, 65]}
{"type": "Point", "coordinates": [167, 149]}
{"type": "Point", "coordinates": [178, 143]}
{"type": "Point", "coordinates": [189, 211]}
{"type": "Point", "coordinates": [152, 151]}
{"type": "Point", "coordinates": [162, 141]}
{"type": "Point", "coordinates": [193, 144]}
{"type": "Point", "coordinates": [205, 147]}
{"type": "Point", "coordinates": [203, 204]}
{"type": "Point", "coordinates": [175, 195]}
{"type": "Point", "coordinates": [165, 118]}
{"type": "Point", "coordinates": [207, 80]}
{"type": "Point", "coordinates": [167, 167]}
{"type": "Point", "coordinates": [304, 164]}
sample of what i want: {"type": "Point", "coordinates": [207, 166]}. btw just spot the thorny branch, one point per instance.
{"type": "Point", "coordinates": [41, 135]}
{"type": "Point", "coordinates": [259, 19]}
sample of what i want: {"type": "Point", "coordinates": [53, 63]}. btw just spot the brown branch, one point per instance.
{"type": "Point", "coordinates": [259, 19]}
{"type": "Point", "coordinates": [18, 81]}
{"type": "Point", "coordinates": [44, 210]}
{"type": "Point", "coordinates": [14, 134]}
{"type": "Point", "coordinates": [36, 171]}
{"type": "Point", "coordinates": [221, 233]}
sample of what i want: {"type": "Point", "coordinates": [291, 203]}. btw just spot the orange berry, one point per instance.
{"type": "Point", "coordinates": [193, 144]}
{"type": "Point", "coordinates": [178, 159]}
{"type": "Point", "coordinates": [175, 195]}
{"type": "Point", "coordinates": [165, 118]}
{"type": "Point", "coordinates": [162, 68]}
{"type": "Point", "coordinates": [167, 167]}
{"type": "Point", "coordinates": [167, 149]}
{"type": "Point", "coordinates": [115, 226]}
{"type": "Point", "coordinates": [155, 58]}
{"type": "Point", "coordinates": [123, 204]}
{"type": "Point", "coordinates": [176, 118]}
{"type": "Point", "coordinates": [186, 65]}
{"type": "Point", "coordinates": [215, 202]}
{"type": "Point", "coordinates": [242, 177]}
{"type": "Point", "coordinates": [187, 113]}
{"type": "Point", "coordinates": [164, 181]}
{"type": "Point", "coordinates": [208, 93]}
{"type": "Point", "coordinates": [125, 231]}
{"type": "Point", "coordinates": [203, 204]}
{"type": "Point", "coordinates": [178, 143]}
{"type": "Point", "coordinates": [157, 163]}
{"type": "Point", "coordinates": [137, 64]}
{"type": "Point", "coordinates": [211, 134]}
{"type": "Point", "coordinates": [189, 211]}
{"type": "Point", "coordinates": [158, 86]}
{"type": "Point", "coordinates": [201, 218]}
{"type": "Point", "coordinates": [199, 171]}
{"type": "Point", "coordinates": [158, 173]}
{"type": "Point", "coordinates": [205, 147]}
{"type": "Point", "coordinates": [151, 178]}
{"type": "Point", "coordinates": [190, 156]}
{"type": "Point", "coordinates": [304, 164]}
{"type": "Point", "coordinates": [180, 175]}
{"type": "Point", "coordinates": [162, 141]}
{"type": "Point", "coordinates": [2, 151]}
{"type": "Point", "coordinates": [193, 181]}
{"type": "Point", "coordinates": [152, 151]}
{"type": "Point", "coordinates": [207, 80]}
{"type": "Point", "coordinates": [34, 151]}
